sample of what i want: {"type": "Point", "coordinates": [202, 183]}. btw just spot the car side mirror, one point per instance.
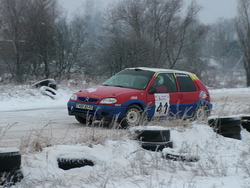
{"type": "Point", "coordinates": [152, 90]}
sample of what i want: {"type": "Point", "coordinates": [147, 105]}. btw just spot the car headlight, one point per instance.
{"type": "Point", "coordinates": [108, 101]}
{"type": "Point", "coordinates": [73, 97]}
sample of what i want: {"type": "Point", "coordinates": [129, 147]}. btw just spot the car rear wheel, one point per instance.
{"type": "Point", "coordinates": [201, 112]}
{"type": "Point", "coordinates": [132, 116]}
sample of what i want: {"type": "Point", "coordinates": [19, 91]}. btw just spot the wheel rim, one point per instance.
{"type": "Point", "coordinates": [133, 116]}
{"type": "Point", "coordinates": [201, 113]}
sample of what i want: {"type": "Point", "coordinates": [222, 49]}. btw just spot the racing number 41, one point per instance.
{"type": "Point", "coordinates": [159, 108]}
{"type": "Point", "coordinates": [161, 104]}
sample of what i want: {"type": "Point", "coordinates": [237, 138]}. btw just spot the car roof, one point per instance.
{"type": "Point", "coordinates": [161, 70]}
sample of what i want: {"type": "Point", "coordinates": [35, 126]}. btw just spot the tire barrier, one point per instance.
{"type": "Point", "coordinates": [9, 178]}
{"type": "Point", "coordinates": [47, 87]}
{"type": "Point", "coordinates": [69, 163]}
{"type": "Point", "coordinates": [47, 82]}
{"type": "Point", "coordinates": [245, 122]}
{"type": "Point", "coordinates": [181, 157]}
{"type": "Point", "coordinates": [226, 126]}
{"type": "Point", "coordinates": [152, 139]}
{"type": "Point", "coordinates": [49, 92]}
{"type": "Point", "coordinates": [156, 146]}
{"type": "Point", "coordinates": [10, 159]}
{"type": "Point", "coordinates": [10, 167]}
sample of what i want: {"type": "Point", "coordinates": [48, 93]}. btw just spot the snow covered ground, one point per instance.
{"type": "Point", "coordinates": [42, 130]}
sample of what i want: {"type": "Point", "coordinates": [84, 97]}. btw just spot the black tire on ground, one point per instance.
{"type": "Point", "coordinates": [47, 82]}
{"type": "Point", "coordinates": [132, 116]}
{"type": "Point", "coordinates": [10, 159]}
{"type": "Point", "coordinates": [224, 122]}
{"type": "Point", "coordinates": [153, 135]}
{"type": "Point", "coordinates": [9, 178]}
{"type": "Point", "coordinates": [180, 157]}
{"type": "Point", "coordinates": [68, 163]}
{"type": "Point", "coordinates": [227, 126]}
{"type": "Point", "coordinates": [234, 136]}
{"type": "Point", "coordinates": [48, 91]}
{"type": "Point", "coordinates": [229, 130]}
{"type": "Point", "coordinates": [156, 146]}
{"type": "Point", "coordinates": [245, 122]}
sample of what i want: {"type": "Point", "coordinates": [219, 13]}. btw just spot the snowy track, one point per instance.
{"type": "Point", "coordinates": [17, 125]}
{"type": "Point", "coordinates": [23, 117]}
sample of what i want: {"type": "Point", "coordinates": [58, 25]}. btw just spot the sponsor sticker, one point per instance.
{"type": "Point", "coordinates": [203, 95]}
{"type": "Point", "coordinates": [91, 90]}
{"type": "Point", "coordinates": [134, 97]}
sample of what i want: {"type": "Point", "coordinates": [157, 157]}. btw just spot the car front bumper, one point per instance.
{"type": "Point", "coordinates": [99, 111]}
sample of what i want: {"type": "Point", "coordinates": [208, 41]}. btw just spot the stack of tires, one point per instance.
{"type": "Point", "coordinates": [153, 139]}
{"type": "Point", "coordinates": [10, 167]}
{"type": "Point", "coordinates": [226, 126]}
{"type": "Point", "coordinates": [245, 122]}
{"type": "Point", "coordinates": [47, 87]}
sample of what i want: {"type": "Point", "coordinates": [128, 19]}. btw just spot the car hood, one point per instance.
{"type": "Point", "coordinates": [103, 91]}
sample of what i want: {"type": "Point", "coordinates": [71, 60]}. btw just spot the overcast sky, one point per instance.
{"type": "Point", "coordinates": [212, 9]}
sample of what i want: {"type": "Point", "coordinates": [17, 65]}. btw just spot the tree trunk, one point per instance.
{"type": "Point", "coordinates": [247, 68]}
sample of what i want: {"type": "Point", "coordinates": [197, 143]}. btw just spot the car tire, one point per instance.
{"type": "Point", "coordinates": [156, 146]}
{"type": "Point", "coordinates": [52, 93]}
{"type": "Point", "coordinates": [201, 112]}
{"type": "Point", "coordinates": [47, 82]}
{"type": "Point", "coordinates": [152, 139]}
{"type": "Point", "coordinates": [132, 116]}
{"type": "Point", "coordinates": [180, 157]}
{"type": "Point", "coordinates": [81, 119]}
{"type": "Point", "coordinates": [10, 159]}
{"type": "Point", "coordinates": [224, 121]}
{"type": "Point", "coordinates": [226, 126]}
{"type": "Point", "coordinates": [153, 135]}
{"type": "Point", "coordinates": [235, 136]}
{"type": "Point", "coordinates": [9, 178]}
{"type": "Point", "coordinates": [69, 163]}
{"type": "Point", "coordinates": [245, 122]}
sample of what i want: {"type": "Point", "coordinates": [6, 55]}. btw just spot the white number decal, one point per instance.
{"type": "Point", "coordinates": [161, 104]}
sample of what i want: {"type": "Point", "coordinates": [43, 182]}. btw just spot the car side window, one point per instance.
{"type": "Point", "coordinates": [186, 83]}
{"type": "Point", "coordinates": [165, 83]}
{"type": "Point", "coordinates": [169, 81]}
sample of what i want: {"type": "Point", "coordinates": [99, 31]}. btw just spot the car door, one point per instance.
{"type": "Point", "coordinates": [188, 94]}
{"type": "Point", "coordinates": [163, 95]}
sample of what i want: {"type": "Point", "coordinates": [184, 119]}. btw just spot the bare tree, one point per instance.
{"type": "Point", "coordinates": [163, 18]}
{"type": "Point", "coordinates": [125, 43]}
{"type": "Point", "coordinates": [223, 43]}
{"type": "Point", "coordinates": [155, 31]}
{"type": "Point", "coordinates": [14, 27]}
{"type": "Point", "coordinates": [29, 26]}
{"type": "Point", "coordinates": [243, 30]}
{"type": "Point", "coordinates": [43, 15]}
{"type": "Point", "coordinates": [194, 57]}
{"type": "Point", "coordinates": [69, 39]}
{"type": "Point", "coordinates": [183, 34]}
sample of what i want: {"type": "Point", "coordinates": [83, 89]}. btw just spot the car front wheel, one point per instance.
{"type": "Point", "coordinates": [80, 119]}
{"type": "Point", "coordinates": [132, 116]}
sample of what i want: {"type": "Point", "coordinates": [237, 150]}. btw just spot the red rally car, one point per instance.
{"type": "Point", "coordinates": [134, 93]}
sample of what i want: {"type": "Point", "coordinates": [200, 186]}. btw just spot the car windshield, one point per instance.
{"type": "Point", "coordinates": [130, 78]}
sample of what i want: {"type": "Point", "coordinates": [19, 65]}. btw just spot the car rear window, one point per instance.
{"type": "Point", "coordinates": [186, 83]}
